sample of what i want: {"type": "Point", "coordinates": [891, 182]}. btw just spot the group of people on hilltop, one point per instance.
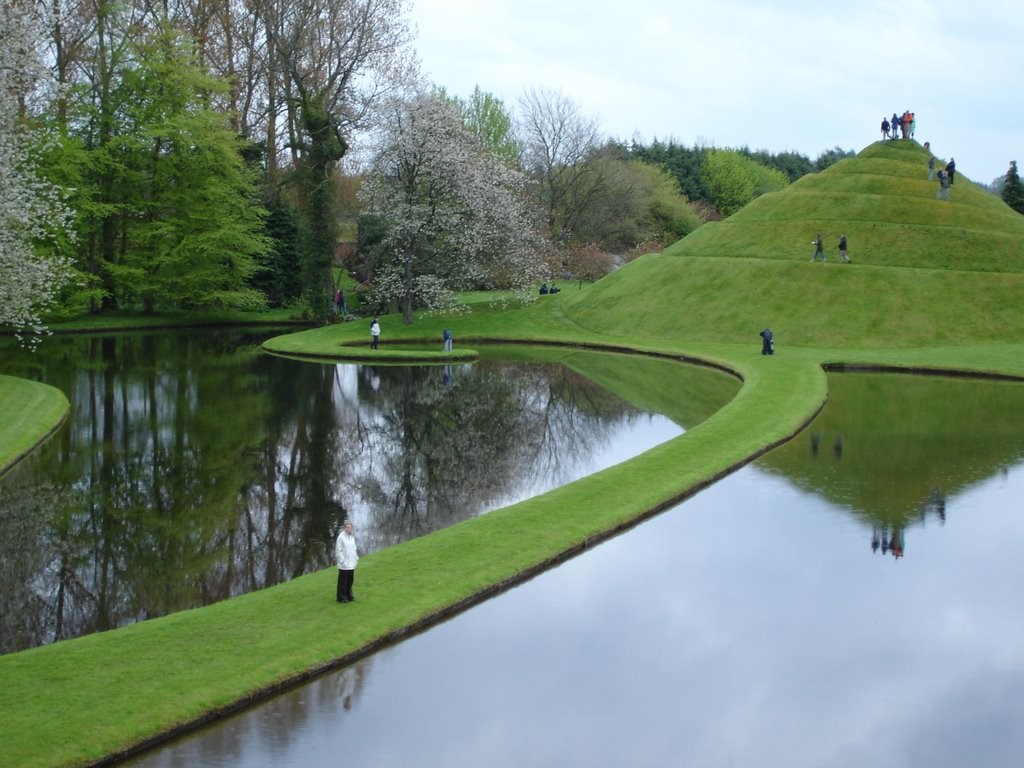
{"type": "Point", "coordinates": [899, 125]}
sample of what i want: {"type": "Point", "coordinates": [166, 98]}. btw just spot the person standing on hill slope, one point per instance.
{"type": "Point", "coordinates": [943, 191]}
{"type": "Point", "coordinates": [931, 167]}
{"type": "Point", "coordinates": [819, 248]}
{"type": "Point", "coordinates": [885, 130]}
{"type": "Point", "coordinates": [951, 170]}
{"type": "Point", "coordinates": [894, 123]}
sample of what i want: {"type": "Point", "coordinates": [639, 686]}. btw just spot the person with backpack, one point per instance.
{"type": "Point", "coordinates": [842, 249]}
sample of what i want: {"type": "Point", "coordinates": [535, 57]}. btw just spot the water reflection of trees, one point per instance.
{"type": "Point", "coordinates": [194, 468]}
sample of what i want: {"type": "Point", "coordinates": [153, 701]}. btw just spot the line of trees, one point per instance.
{"type": "Point", "coordinates": [195, 154]}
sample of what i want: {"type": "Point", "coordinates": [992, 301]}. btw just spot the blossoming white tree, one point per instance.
{"type": "Point", "coordinates": [31, 211]}
{"type": "Point", "coordinates": [454, 215]}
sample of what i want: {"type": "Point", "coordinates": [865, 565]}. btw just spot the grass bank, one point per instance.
{"type": "Point", "coordinates": [30, 413]}
{"type": "Point", "coordinates": [922, 305]}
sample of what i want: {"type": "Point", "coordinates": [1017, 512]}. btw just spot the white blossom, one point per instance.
{"type": "Point", "coordinates": [457, 216]}
{"type": "Point", "coordinates": [31, 209]}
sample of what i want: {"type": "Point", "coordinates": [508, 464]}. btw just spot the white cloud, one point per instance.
{"type": "Point", "coordinates": [791, 74]}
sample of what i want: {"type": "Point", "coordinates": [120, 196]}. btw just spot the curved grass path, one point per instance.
{"type": "Point", "coordinates": [935, 287]}
{"type": "Point", "coordinates": [87, 700]}
{"type": "Point", "coordinates": [29, 413]}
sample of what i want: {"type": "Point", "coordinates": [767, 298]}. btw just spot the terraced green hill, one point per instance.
{"type": "Point", "coordinates": [924, 272]}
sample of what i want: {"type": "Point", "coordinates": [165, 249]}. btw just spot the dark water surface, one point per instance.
{"type": "Point", "coordinates": [193, 467]}
{"type": "Point", "coordinates": [851, 599]}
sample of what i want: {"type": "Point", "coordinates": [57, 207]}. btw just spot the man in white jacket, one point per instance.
{"type": "Point", "coordinates": [346, 555]}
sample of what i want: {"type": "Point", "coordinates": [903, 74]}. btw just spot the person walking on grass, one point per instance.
{"type": "Point", "coordinates": [347, 556]}
{"type": "Point", "coordinates": [943, 191]}
{"type": "Point", "coordinates": [374, 334]}
{"type": "Point", "coordinates": [842, 249]}
{"type": "Point", "coordinates": [819, 248]}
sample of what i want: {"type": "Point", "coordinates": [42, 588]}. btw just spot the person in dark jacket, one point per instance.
{"type": "Point", "coordinates": [951, 170]}
{"type": "Point", "coordinates": [842, 249]}
{"type": "Point", "coordinates": [767, 342]}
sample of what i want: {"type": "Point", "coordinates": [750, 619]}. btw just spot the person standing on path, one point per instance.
{"type": "Point", "coordinates": [447, 340]}
{"type": "Point", "coordinates": [347, 557]}
{"type": "Point", "coordinates": [842, 249]}
{"type": "Point", "coordinates": [819, 248]}
{"type": "Point", "coordinates": [374, 334]}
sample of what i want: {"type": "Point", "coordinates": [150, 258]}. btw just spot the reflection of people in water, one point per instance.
{"type": "Point", "coordinates": [815, 442]}
{"type": "Point", "coordinates": [350, 684]}
{"type": "Point", "coordinates": [889, 539]}
{"type": "Point", "coordinates": [837, 448]}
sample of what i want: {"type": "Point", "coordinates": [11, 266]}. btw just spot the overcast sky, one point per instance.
{"type": "Point", "coordinates": [780, 75]}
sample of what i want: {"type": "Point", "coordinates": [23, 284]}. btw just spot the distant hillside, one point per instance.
{"type": "Point", "coordinates": [925, 272]}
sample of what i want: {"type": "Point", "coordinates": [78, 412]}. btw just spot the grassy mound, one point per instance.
{"type": "Point", "coordinates": [885, 205]}
{"type": "Point", "coordinates": [925, 271]}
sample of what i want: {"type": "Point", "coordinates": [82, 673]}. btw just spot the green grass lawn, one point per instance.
{"type": "Point", "coordinates": [29, 413]}
{"type": "Point", "coordinates": [920, 301]}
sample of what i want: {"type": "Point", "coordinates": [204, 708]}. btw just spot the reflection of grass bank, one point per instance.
{"type": "Point", "coordinates": [80, 700]}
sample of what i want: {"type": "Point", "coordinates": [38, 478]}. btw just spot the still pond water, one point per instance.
{"type": "Point", "coordinates": [193, 467]}
{"type": "Point", "coordinates": [851, 599]}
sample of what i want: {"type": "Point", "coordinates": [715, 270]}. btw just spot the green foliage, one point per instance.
{"type": "Point", "coordinates": [830, 157]}
{"type": "Point", "coordinates": [670, 214]}
{"type": "Point", "coordinates": [684, 163]}
{"type": "Point", "coordinates": [793, 164]}
{"type": "Point", "coordinates": [487, 118]}
{"type": "Point", "coordinates": [167, 213]}
{"type": "Point", "coordinates": [278, 276]}
{"type": "Point", "coordinates": [734, 180]}
{"type": "Point", "coordinates": [1013, 189]}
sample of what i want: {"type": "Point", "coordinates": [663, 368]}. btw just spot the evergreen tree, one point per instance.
{"type": "Point", "coordinates": [1013, 189]}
